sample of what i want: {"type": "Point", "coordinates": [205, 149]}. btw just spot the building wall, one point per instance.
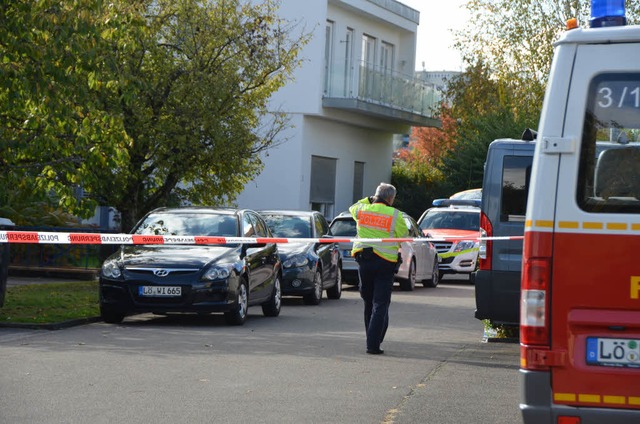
{"type": "Point", "coordinates": [304, 93]}
{"type": "Point", "coordinates": [285, 182]}
{"type": "Point", "coordinates": [344, 135]}
{"type": "Point", "coordinates": [281, 183]}
{"type": "Point", "coordinates": [349, 144]}
{"type": "Point", "coordinates": [383, 25]}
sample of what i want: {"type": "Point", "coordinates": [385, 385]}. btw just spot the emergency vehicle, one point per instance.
{"type": "Point", "coordinates": [580, 288]}
{"type": "Point", "coordinates": [455, 223]}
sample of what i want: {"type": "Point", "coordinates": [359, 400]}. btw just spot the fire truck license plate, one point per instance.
{"type": "Point", "coordinates": [160, 291]}
{"type": "Point", "coordinates": [613, 352]}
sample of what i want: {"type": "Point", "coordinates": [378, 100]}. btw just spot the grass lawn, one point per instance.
{"type": "Point", "coordinates": [50, 303]}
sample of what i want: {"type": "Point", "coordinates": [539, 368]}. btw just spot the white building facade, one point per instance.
{"type": "Point", "coordinates": [355, 90]}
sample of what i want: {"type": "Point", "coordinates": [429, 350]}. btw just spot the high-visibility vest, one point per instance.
{"type": "Point", "coordinates": [378, 221]}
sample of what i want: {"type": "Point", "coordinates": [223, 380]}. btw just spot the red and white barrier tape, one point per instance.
{"type": "Point", "coordinates": [35, 237]}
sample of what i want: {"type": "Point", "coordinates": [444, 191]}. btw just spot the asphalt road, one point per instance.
{"type": "Point", "coordinates": [306, 366]}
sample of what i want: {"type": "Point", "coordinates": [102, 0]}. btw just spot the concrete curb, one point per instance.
{"type": "Point", "coordinates": [51, 326]}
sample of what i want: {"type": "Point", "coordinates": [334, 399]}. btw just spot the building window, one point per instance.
{"type": "Point", "coordinates": [369, 78]}
{"type": "Point", "coordinates": [328, 54]}
{"type": "Point", "coordinates": [348, 62]}
{"type": "Point", "coordinates": [322, 192]}
{"type": "Point", "coordinates": [385, 83]}
{"type": "Point", "coordinates": [358, 181]}
{"type": "Point", "coordinates": [368, 50]}
{"type": "Point", "coordinates": [386, 57]}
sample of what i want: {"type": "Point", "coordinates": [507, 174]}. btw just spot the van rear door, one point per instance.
{"type": "Point", "coordinates": [595, 270]}
{"type": "Point", "coordinates": [515, 168]}
{"type": "Point", "coordinates": [505, 189]}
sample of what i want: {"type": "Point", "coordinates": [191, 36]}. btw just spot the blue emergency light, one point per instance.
{"type": "Point", "coordinates": [606, 13]}
{"type": "Point", "coordinates": [456, 202]}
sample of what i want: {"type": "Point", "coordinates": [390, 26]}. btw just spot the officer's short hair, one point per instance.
{"type": "Point", "coordinates": [386, 191]}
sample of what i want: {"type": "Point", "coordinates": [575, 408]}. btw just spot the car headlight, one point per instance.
{"type": "Point", "coordinates": [110, 269]}
{"type": "Point", "coordinates": [464, 245]}
{"type": "Point", "coordinates": [217, 272]}
{"type": "Point", "coordinates": [296, 261]}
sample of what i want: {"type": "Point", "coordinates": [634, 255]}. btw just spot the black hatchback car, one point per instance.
{"type": "Point", "coordinates": [164, 278]}
{"type": "Point", "coordinates": [308, 267]}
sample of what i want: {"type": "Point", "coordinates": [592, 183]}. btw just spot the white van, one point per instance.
{"type": "Point", "coordinates": [580, 289]}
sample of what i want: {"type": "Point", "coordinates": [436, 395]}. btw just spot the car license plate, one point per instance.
{"type": "Point", "coordinates": [160, 291]}
{"type": "Point", "coordinates": [613, 352]}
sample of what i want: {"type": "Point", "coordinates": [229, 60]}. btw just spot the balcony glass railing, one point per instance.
{"type": "Point", "coordinates": [399, 8]}
{"type": "Point", "coordinates": [373, 84]}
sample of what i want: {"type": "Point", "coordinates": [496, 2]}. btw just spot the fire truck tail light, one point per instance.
{"type": "Point", "coordinates": [534, 298]}
{"type": "Point", "coordinates": [532, 308]}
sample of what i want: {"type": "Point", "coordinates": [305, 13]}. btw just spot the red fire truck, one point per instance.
{"type": "Point", "coordinates": [580, 289]}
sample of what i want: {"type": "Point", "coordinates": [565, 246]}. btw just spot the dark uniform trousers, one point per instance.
{"type": "Point", "coordinates": [376, 284]}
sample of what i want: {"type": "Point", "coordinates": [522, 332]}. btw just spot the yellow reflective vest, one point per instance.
{"type": "Point", "coordinates": [377, 221]}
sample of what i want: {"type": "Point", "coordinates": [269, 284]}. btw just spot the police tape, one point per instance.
{"type": "Point", "coordinates": [36, 237]}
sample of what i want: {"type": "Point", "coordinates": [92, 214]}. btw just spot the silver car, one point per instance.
{"type": "Point", "coordinates": [420, 261]}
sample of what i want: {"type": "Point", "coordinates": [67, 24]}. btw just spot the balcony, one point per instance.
{"type": "Point", "coordinates": [382, 93]}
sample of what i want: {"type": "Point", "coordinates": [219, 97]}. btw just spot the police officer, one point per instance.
{"type": "Point", "coordinates": [377, 261]}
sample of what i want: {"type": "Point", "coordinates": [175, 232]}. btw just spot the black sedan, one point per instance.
{"type": "Point", "coordinates": [165, 278]}
{"type": "Point", "coordinates": [309, 267]}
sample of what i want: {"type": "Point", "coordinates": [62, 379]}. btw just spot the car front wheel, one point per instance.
{"type": "Point", "coordinates": [336, 291]}
{"type": "Point", "coordinates": [315, 297]}
{"type": "Point", "coordinates": [435, 275]}
{"type": "Point", "coordinates": [272, 307]}
{"type": "Point", "coordinates": [410, 283]}
{"type": "Point", "coordinates": [111, 317]}
{"type": "Point", "coordinates": [238, 314]}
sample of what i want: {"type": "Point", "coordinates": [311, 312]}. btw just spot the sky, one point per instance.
{"type": "Point", "coordinates": [435, 40]}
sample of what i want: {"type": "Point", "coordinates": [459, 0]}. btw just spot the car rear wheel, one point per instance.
{"type": "Point", "coordinates": [238, 315]}
{"type": "Point", "coordinates": [409, 283]}
{"type": "Point", "coordinates": [336, 291]}
{"type": "Point", "coordinates": [272, 307]}
{"type": "Point", "coordinates": [315, 297]}
{"type": "Point", "coordinates": [435, 275]}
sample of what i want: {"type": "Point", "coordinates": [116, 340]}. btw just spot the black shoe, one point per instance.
{"type": "Point", "coordinates": [375, 351]}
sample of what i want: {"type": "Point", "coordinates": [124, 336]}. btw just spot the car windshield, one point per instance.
{"type": "Point", "coordinates": [343, 227]}
{"type": "Point", "coordinates": [189, 224]}
{"type": "Point", "coordinates": [451, 220]}
{"type": "Point", "coordinates": [288, 225]}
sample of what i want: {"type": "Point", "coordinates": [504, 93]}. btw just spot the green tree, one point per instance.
{"type": "Point", "coordinates": [514, 39]}
{"type": "Point", "coordinates": [416, 171]}
{"type": "Point", "coordinates": [418, 184]}
{"type": "Point", "coordinates": [51, 133]}
{"type": "Point", "coordinates": [143, 103]}
{"type": "Point", "coordinates": [429, 144]}
{"type": "Point", "coordinates": [484, 108]}
{"type": "Point", "coordinates": [508, 50]}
